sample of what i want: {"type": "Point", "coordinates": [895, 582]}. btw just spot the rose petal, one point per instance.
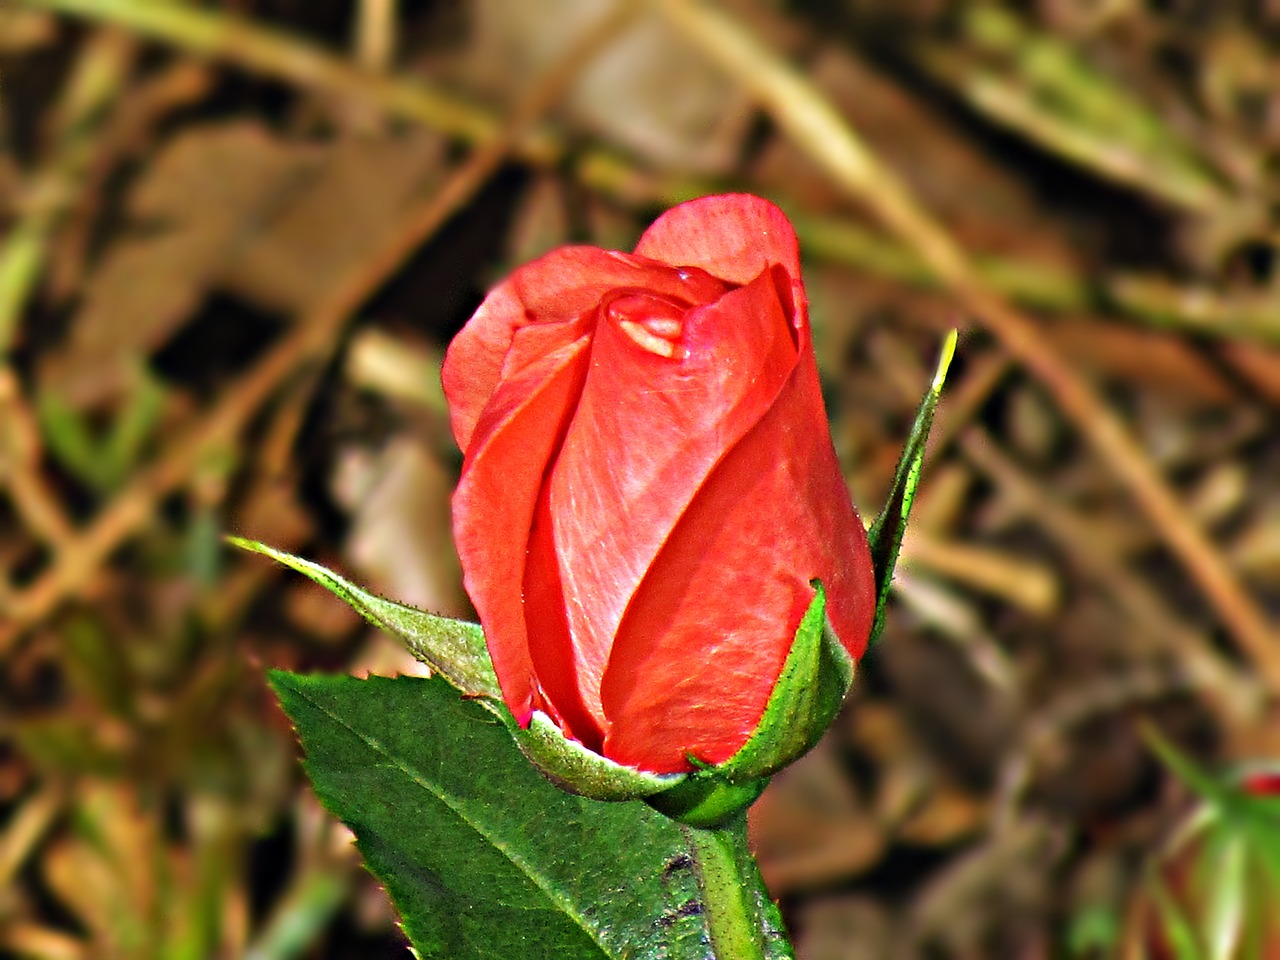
{"type": "Point", "coordinates": [733, 236]}
{"type": "Point", "coordinates": [559, 286]}
{"type": "Point", "coordinates": [552, 656]}
{"type": "Point", "coordinates": [494, 503]}
{"type": "Point", "coordinates": [535, 342]}
{"type": "Point", "coordinates": [647, 431]}
{"type": "Point", "coordinates": [707, 632]}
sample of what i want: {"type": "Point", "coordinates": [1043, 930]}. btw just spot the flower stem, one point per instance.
{"type": "Point", "coordinates": [743, 921]}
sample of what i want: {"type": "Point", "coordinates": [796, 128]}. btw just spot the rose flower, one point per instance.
{"type": "Point", "coordinates": [649, 487]}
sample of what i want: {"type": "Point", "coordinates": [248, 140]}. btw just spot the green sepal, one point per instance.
{"type": "Point", "coordinates": [572, 767]}
{"type": "Point", "coordinates": [806, 697]}
{"type": "Point", "coordinates": [815, 678]}
{"type": "Point", "coordinates": [452, 648]}
{"type": "Point", "coordinates": [885, 535]}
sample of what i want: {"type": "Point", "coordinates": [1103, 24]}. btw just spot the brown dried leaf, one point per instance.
{"type": "Point", "coordinates": [845, 928]}
{"type": "Point", "coordinates": [649, 91]}
{"type": "Point", "coordinates": [809, 829]}
{"type": "Point", "coordinates": [228, 207]}
{"type": "Point", "coordinates": [332, 219]}
{"type": "Point", "coordinates": [191, 208]}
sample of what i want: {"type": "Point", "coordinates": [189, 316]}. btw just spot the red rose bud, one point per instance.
{"type": "Point", "coordinates": [1263, 783]}
{"type": "Point", "coordinates": [649, 496]}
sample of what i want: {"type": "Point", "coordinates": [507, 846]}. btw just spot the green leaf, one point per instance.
{"type": "Point", "coordinates": [452, 648]}
{"type": "Point", "coordinates": [1223, 798]}
{"type": "Point", "coordinates": [70, 440]}
{"type": "Point", "coordinates": [1093, 931]}
{"type": "Point", "coordinates": [1236, 850]}
{"type": "Point", "coordinates": [102, 461]}
{"type": "Point", "coordinates": [123, 445]}
{"type": "Point", "coordinates": [482, 856]}
{"type": "Point", "coordinates": [1262, 830]}
{"type": "Point", "coordinates": [1227, 898]}
{"type": "Point", "coordinates": [1176, 925]}
{"type": "Point", "coordinates": [885, 535]}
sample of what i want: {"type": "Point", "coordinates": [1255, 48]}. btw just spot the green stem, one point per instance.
{"type": "Point", "coordinates": [743, 921]}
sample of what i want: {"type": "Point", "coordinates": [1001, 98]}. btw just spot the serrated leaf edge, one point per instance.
{"type": "Point", "coordinates": [275, 676]}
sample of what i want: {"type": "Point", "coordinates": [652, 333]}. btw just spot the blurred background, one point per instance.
{"type": "Point", "coordinates": [235, 239]}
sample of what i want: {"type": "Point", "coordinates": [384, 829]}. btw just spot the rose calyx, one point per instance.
{"type": "Point", "coordinates": [805, 699]}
